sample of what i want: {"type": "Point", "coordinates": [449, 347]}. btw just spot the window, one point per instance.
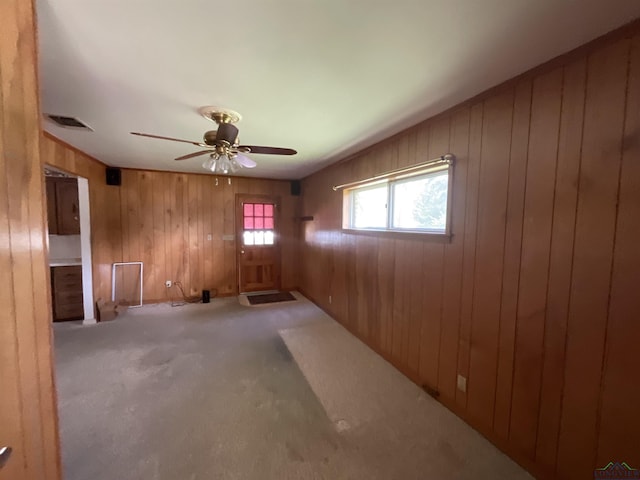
{"type": "Point", "coordinates": [258, 224]}
{"type": "Point", "coordinates": [416, 202]}
{"type": "Point", "coordinates": [369, 207]}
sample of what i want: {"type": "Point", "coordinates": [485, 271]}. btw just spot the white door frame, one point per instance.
{"type": "Point", "coordinates": [85, 251]}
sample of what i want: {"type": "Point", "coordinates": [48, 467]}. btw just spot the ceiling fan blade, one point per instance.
{"type": "Point", "coordinates": [198, 144]}
{"type": "Point", "coordinates": [267, 150]}
{"type": "Point", "coordinates": [195, 154]}
{"type": "Point", "coordinates": [246, 162]}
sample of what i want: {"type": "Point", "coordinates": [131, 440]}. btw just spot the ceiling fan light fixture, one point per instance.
{"type": "Point", "coordinates": [221, 164]}
{"type": "Point", "coordinates": [235, 165]}
{"type": "Point", "coordinates": [209, 163]}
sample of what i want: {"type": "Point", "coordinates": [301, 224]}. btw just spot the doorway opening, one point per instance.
{"type": "Point", "coordinates": [69, 246]}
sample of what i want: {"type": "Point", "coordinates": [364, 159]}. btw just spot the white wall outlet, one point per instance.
{"type": "Point", "coordinates": [209, 237]}
{"type": "Point", "coordinates": [168, 283]}
{"type": "Point", "coordinates": [462, 383]}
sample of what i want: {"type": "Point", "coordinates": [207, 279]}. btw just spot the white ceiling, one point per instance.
{"type": "Point", "coordinates": [324, 77]}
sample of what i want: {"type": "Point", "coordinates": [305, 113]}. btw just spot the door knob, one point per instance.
{"type": "Point", "coordinates": [5, 453]}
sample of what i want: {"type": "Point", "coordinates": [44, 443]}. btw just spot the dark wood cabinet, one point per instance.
{"type": "Point", "coordinates": [63, 206]}
{"type": "Point", "coordinates": [66, 288]}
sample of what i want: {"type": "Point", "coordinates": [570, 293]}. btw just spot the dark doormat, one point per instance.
{"type": "Point", "coordinates": [270, 298]}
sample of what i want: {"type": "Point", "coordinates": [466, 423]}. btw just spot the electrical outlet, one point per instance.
{"type": "Point", "coordinates": [209, 237]}
{"type": "Point", "coordinates": [329, 299]}
{"type": "Point", "coordinates": [168, 283]}
{"type": "Point", "coordinates": [462, 383]}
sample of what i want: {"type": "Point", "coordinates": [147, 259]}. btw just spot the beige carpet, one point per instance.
{"type": "Point", "coordinates": [404, 432]}
{"type": "Point", "coordinates": [212, 392]}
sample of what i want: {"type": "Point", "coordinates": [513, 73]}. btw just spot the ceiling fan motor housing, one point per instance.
{"type": "Point", "coordinates": [227, 132]}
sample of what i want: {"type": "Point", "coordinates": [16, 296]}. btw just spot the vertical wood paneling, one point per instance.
{"type": "Point", "coordinates": [511, 259]}
{"type": "Point", "coordinates": [150, 283]}
{"type": "Point", "coordinates": [122, 281]}
{"type": "Point", "coordinates": [534, 262]}
{"type": "Point", "coordinates": [432, 273]}
{"type": "Point", "coordinates": [415, 295]}
{"type": "Point", "coordinates": [217, 230]}
{"type": "Point", "coordinates": [564, 214]}
{"type": "Point", "coordinates": [619, 419]}
{"type": "Point", "coordinates": [386, 267]}
{"type": "Point", "coordinates": [594, 237]}
{"type": "Point", "coordinates": [229, 274]}
{"type": "Point", "coordinates": [183, 250]}
{"type": "Point", "coordinates": [492, 201]}
{"type": "Point", "coordinates": [399, 324]}
{"type": "Point", "coordinates": [469, 248]}
{"type": "Point", "coordinates": [194, 222]}
{"type": "Point", "coordinates": [452, 280]}
{"type": "Point", "coordinates": [206, 204]}
{"type": "Point", "coordinates": [158, 253]}
{"type": "Point", "coordinates": [366, 286]}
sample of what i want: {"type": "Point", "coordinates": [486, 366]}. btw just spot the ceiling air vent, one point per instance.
{"type": "Point", "coordinates": [68, 122]}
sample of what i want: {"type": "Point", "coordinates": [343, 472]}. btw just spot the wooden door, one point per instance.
{"type": "Point", "coordinates": [67, 209]}
{"type": "Point", "coordinates": [27, 395]}
{"type": "Point", "coordinates": [258, 243]}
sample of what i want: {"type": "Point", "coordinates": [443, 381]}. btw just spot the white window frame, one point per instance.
{"type": "Point", "coordinates": [348, 203]}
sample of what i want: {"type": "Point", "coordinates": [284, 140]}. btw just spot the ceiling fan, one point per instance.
{"type": "Point", "coordinates": [223, 146]}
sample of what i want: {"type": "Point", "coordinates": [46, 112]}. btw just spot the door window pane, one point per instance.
{"type": "Point", "coordinates": [258, 224]}
{"type": "Point", "coordinates": [268, 237]}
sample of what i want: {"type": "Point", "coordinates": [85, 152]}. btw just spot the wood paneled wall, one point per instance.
{"type": "Point", "coordinates": [164, 219]}
{"type": "Point", "coordinates": [535, 297]}
{"type": "Point", "coordinates": [168, 218]}
{"type": "Point", "coordinates": [28, 414]}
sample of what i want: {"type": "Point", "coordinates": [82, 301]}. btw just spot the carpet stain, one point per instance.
{"type": "Point", "coordinates": [342, 426]}
{"type": "Point", "coordinates": [157, 357]}
{"type": "Point", "coordinates": [293, 454]}
{"type": "Point", "coordinates": [449, 454]}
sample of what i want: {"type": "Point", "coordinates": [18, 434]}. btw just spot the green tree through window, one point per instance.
{"type": "Point", "coordinates": [430, 209]}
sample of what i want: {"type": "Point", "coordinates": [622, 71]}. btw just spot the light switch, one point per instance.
{"type": "Point", "coordinates": [462, 383]}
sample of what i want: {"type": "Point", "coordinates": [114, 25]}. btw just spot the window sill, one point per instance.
{"type": "Point", "coordinates": [402, 234]}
